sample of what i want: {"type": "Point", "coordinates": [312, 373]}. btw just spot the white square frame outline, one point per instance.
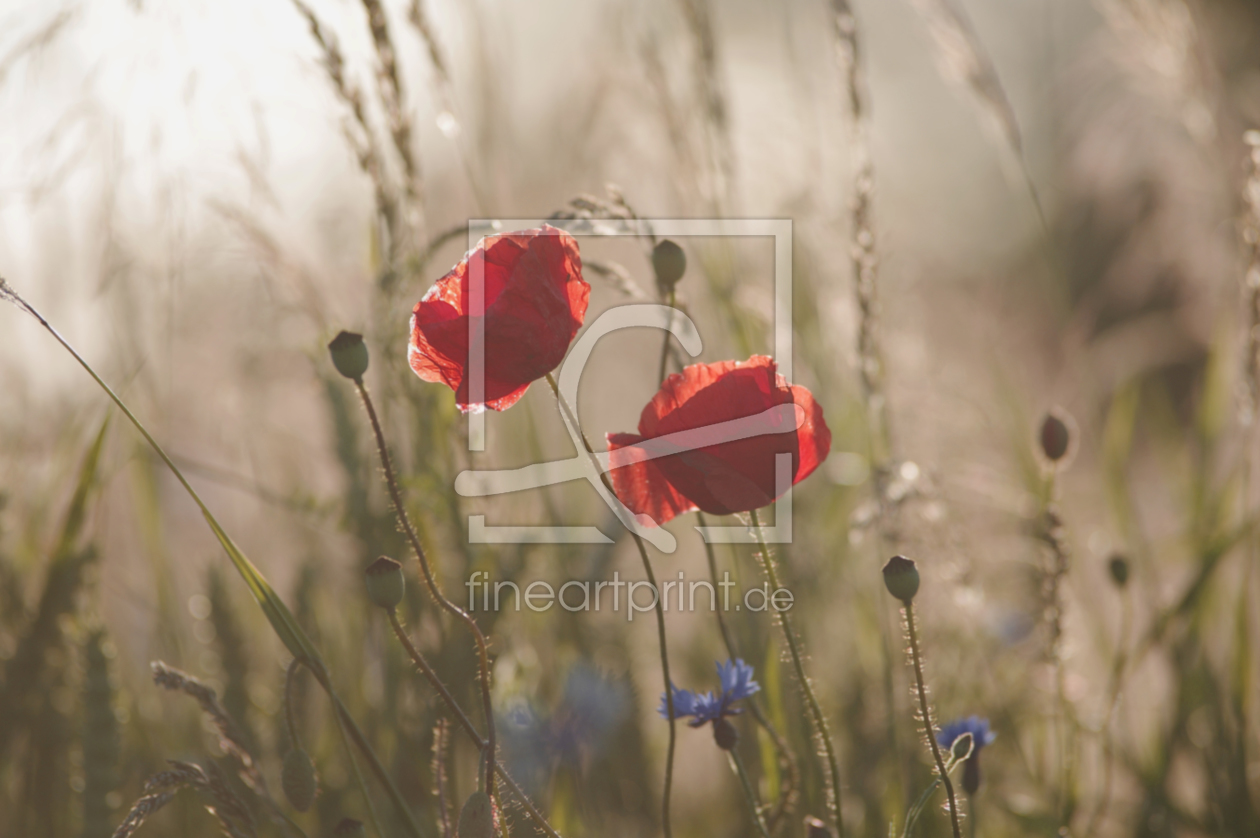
{"type": "Point", "coordinates": [779, 229]}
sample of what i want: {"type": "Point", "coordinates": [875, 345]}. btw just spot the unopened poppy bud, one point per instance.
{"type": "Point", "coordinates": [961, 749]}
{"type": "Point", "coordinates": [815, 828]}
{"type": "Point", "coordinates": [901, 578]}
{"type": "Point", "coordinates": [476, 820]}
{"type": "Point", "coordinates": [349, 355]}
{"type": "Point", "coordinates": [350, 828]}
{"type": "Point", "coordinates": [1056, 435]}
{"type": "Point", "coordinates": [725, 734]}
{"type": "Point", "coordinates": [1118, 567]}
{"type": "Point", "coordinates": [385, 583]}
{"type": "Point", "coordinates": [669, 262]}
{"type": "Point", "coordinates": [297, 778]}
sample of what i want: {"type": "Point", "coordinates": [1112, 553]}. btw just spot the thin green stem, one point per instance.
{"type": "Point", "coordinates": [660, 612]}
{"type": "Point", "coordinates": [466, 723]}
{"type": "Point", "coordinates": [404, 520]}
{"type": "Point", "coordinates": [289, 676]}
{"type": "Point", "coordinates": [278, 615]}
{"type": "Point", "coordinates": [929, 729]}
{"type": "Point", "coordinates": [749, 794]}
{"type": "Point", "coordinates": [358, 775]}
{"type": "Point", "coordinates": [821, 729]}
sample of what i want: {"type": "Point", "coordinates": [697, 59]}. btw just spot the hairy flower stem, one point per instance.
{"type": "Point", "coordinates": [749, 795]}
{"type": "Point", "coordinates": [819, 720]}
{"type": "Point", "coordinates": [660, 611]}
{"type": "Point", "coordinates": [929, 729]}
{"type": "Point", "coordinates": [277, 613]}
{"type": "Point", "coordinates": [466, 723]}
{"type": "Point", "coordinates": [787, 759]}
{"type": "Point", "coordinates": [404, 520]}
{"type": "Point", "coordinates": [660, 375]}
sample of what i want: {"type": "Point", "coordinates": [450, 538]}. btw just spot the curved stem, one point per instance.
{"type": "Point", "coordinates": [660, 613]}
{"type": "Point", "coordinates": [748, 792]}
{"type": "Point", "coordinates": [466, 723]}
{"type": "Point", "coordinates": [404, 521]}
{"type": "Point", "coordinates": [929, 728]}
{"type": "Point", "coordinates": [821, 728]}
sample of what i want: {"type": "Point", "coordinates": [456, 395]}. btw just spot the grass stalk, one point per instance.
{"type": "Point", "coordinates": [277, 613]}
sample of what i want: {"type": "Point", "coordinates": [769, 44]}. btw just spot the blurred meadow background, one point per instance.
{"type": "Point", "coordinates": [999, 209]}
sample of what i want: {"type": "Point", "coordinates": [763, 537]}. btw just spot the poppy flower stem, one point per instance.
{"type": "Point", "coordinates": [929, 728]}
{"type": "Point", "coordinates": [460, 716]}
{"type": "Point", "coordinates": [660, 375]}
{"type": "Point", "coordinates": [435, 591]}
{"type": "Point", "coordinates": [660, 613]}
{"type": "Point", "coordinates": [738, 765]}
{"type": "Point", "coordinates": [821, 728]}
{"type": "Point", "coordinates": [786, 757]}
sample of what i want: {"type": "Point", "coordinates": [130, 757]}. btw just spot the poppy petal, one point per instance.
{"type": "Point", "coordinates": [639, 483]}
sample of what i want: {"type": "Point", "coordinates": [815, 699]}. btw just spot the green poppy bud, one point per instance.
{"type": "Point", "coordinates": [962, 746]}
{"type": "Point", "coordinates": [476, 820]}
{"type": "Point", "coordinates": [901, 578]}
{"type": "Point", "coordinates": [297, 778]}
{"type": "Point", "coordinates": [385, 583]}
{"type": "Point", "coordinates": [349, 355]}
{"type": "Point", "coordinates": [670, 263]}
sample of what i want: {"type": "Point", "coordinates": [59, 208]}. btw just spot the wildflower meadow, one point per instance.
{"type": "Point", "coordinates": [818, 419]}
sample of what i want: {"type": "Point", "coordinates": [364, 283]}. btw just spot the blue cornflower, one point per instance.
{"type": "Point", "coordinates": [976, 726]}
{"type": "Point", "coordinates": [980, 736]}
{"type": "Point", "coordinates": [737, 683]}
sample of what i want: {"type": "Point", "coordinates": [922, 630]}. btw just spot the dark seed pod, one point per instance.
{"type": "Point", "coordinates": [349, 355]}
{"type": "Point", "coordinates": [1056, 434]}
{"type": "Point", "coordinates": [1118, 567]}
{"type": "Point", "coordinates": [385, 583]}
{"type": "Point", "coordinates": [669, 262]}
{"type": "Point", "coordinates": [725, 734]}
{"type": "Point", "coordinates": [298, 779]}
{"type": "Point", "coordinates": [971, 774]}
{"type": "Point", "coordinates": [901, 578]}
{"type": "Point", "coordinates": [349, 828]}
{"type": "Point", "coordinates": [476, 819]}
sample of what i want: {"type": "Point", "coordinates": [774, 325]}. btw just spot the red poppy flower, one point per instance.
{"type": "Point", "coordinates": [535, 301]}
{"type": "Point", "coordinates": [725, 476]}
